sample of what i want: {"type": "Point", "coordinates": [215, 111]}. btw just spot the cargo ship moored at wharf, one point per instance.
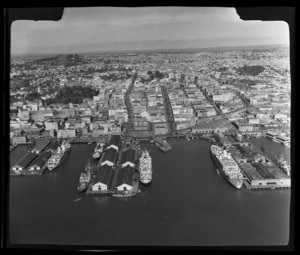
{"type": "Point", "coordinates": [227, 166]}
{"type": "Point", "coordinates": [59, 155]}
{"type": "Point", "coordinates": [85, 178]}
{"type": "Point", "coordinates": [145, 167]}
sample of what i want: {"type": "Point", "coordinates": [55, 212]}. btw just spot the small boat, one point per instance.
{"type": "Point", "coordinates": [98, 150]}
{"type": "Point", "coordinates": [85, 178]}
{"type": "Point", "coordinates": [218, 171]}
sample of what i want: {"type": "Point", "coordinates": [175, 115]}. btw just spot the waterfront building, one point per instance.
{"type": "Point", "coordinates": [52, 146]}
{"type": "Point", "coordinates": [243, 125]}
{"type": "Point", "coordinates": [23, 162]}
{"type": "Point", "coordinates": [216, 126]}
{"type": "Point", "coordinates": [114, 142]}
{"type": "Point", "coordinates": [19, 139]}
{"type": "Point", "coordinates": [66, 133]}
{"type": "Point", "coordinates": [160, 128]}
{"type": "Point", "coordinates": [104, 178]}
{"type": "Point", "coordinates": [40, 146]}
{"type": "Point", "coordinates": [128, 158]}
{"type": "Point", "coordinates": [39, 161]}
{"type": "Point", "coordinates": [124, 180]}
{"type": "Point", "coordinates": [222, 140]}
{"type": "Point", "coordinates": [261, 175]}
{"type": "Point", "coordinates": [110, 157]}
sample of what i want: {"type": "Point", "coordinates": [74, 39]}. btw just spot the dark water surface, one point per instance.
{"type": "Point", "coordinates": [187, 203]}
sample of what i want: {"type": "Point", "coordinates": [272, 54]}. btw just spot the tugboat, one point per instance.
{"type": "Point", "coordinates": [58, 156]}
{"type": "Point", "coordinates": [98, 150]}
{"type": "Point", "coordinates": [85, 178]}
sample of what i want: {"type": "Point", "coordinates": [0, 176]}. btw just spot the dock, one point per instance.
{"type": "Point", "coordinates": [162, 144]}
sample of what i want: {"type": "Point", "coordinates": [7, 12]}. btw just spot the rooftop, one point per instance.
{"type": "Point", "coordinates": [125, 176]}
{"type": "Point", "coordinates": [110, 155]}
{"type": "Point", "coordinates": [105, 175]}
{"type": "Point", "coordinates": [26, 159]}
{"type": "Point", "coordinates": [128, 156]}
{"type": "Point", "coordinates": [215, 124]}
{"type": "Point", "coordinates": [41, 145]}
{"type": "Point", "coordinates": [41, 159]}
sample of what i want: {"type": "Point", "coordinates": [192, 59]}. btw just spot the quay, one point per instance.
{"type": "Point", "coordinates": [33, 163]}
{"type": "Point", "coordinates": [259, 172]}
{"type": "Point", "coordinates": [162, 144]}
{"type": "Point", "coordinates": [248, 186]}
{"type": "Point", "coordinates": [116, 172]}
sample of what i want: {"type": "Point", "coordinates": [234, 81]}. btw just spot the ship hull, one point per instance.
{"type": "Point", "coordinates": [146, 182]}
{"type": "Point", "coordinates": [82, 188]}
{"type": "Point", "coordinates": [61, 160]}
{"type": "Point", "coordinates": [237, 183]}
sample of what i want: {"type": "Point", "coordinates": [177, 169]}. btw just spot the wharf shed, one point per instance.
{"type": "Point", "coordinates": [262, 170]}
{"type": "Point", "coordinates": [253, 177]}
{"type": "Point", "coordinates": [128, 158]}
{"type": "Point", "coordinates": [114, 142]}
{"type": "Point", "coordinates": [39, 161]}
{"type": "Point", "coordinates": [52, 146]}
{"type": "Point", "coordinates": [216, 126]}
{"type": "Point", "coordinates": [110, 157]}
{"type": "Point", "coordinates": [40, 146]}
{"type": "Point", "coordinates": [24, 162]}
{"type": "Point", "coordinates": [104, 178]}
{"type": "Point", "coordinates": [124, 180]}
{"type": "Point", "coordinates": [274, 170]}
{"type": "Point", "coordinates": [250, 153]}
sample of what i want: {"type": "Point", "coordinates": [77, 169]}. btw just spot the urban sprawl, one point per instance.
{"type": "Point", "coordinates": [224, 97]}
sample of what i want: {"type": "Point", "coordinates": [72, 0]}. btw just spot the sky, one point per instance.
{"type": "Point", "coordinates": [91, 29]}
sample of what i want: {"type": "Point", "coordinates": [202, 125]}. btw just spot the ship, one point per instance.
{"type": "Point", "coordinates": [145, 167]}
{"type": "Point", "coordinates": [163, 148]}
{"type": "Point", "coordinates": [98, 150]}
{"type": "Point", "coordinates": [227, 166]}
{"type": "Point", "coordinates": [283, 165]}
{"type": "Point", "coordinates": [59, 155]}
{"type": "Point", "coordinates": [85, 178]}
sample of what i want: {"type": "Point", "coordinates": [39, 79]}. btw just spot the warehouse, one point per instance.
{"type": "Point", "coordinates": [40, 146]}
{"type": "Point", "coordinates": [104, 178]}
{"type": "Point", "coordinates": [128, 158]}
{"type": "Point", "coordinates": [110, 157]}
{"type": "Point", "coordinates": [124, 179]}
{"type": "Point", "coordinates": [52, 147]}
{"type": "Point", "coordinates": [115, 142]}
{"type": "Point", "coordinates": [24, 162]}
{"type": "Point", "coordinates": [38, 163]}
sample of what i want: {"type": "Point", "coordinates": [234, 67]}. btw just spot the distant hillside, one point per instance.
{"type": "Point", "coordinates": [67, 60]}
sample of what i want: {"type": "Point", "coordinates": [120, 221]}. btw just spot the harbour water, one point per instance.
{"type": "Point", "coordinates": [188, 204]}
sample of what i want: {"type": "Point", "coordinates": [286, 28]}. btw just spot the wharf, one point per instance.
{"type": "Point", "coordinates": [89, 140]}
{"type": "Point", "coordinates": [267, 186]}
{"type": "Point", "coordinates": [13, 147]}
{"type": "Point", "coordinates": [163, 143]}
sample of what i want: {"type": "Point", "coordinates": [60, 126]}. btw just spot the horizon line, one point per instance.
{"type": "Point", "coordinates": [149, 50]}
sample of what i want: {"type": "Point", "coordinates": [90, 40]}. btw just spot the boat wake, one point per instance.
{"type": "Point", "coordinates": [76, 200]}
